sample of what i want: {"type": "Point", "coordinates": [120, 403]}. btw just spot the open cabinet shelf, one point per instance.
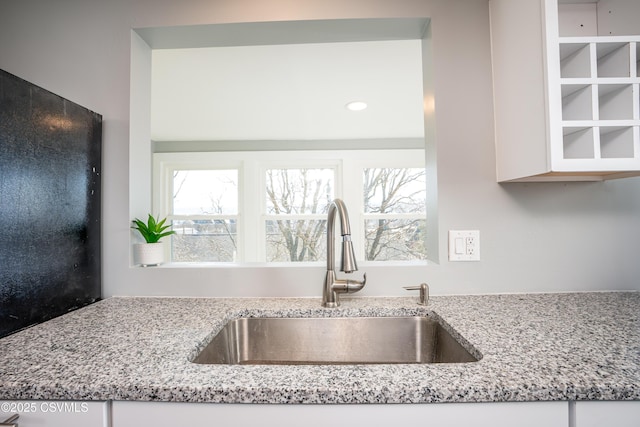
{"type": "Point", "coordinates": [599, 87]}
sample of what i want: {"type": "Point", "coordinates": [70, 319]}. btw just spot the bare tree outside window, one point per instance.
{"type": "Point", "coordinates": [294, 194]}
{"type": "Point", "coordinates": [394, 204]}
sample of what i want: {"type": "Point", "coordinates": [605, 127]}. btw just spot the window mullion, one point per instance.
{"type": "Point", "coordinates": [252, 196]}
{"type": "Point", "coordinates": [351, 186]}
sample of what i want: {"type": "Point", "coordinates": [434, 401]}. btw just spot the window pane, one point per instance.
{"type": "Point", "coordinates": [201, 192]}
{"type": "Point", "coordinates": [395, 239]}
{"type": "Point", "coordinates": [296, 240]}
{"type": "Point", "coordinates": [299, 191]}
{"type": "Point", "coordinates": [394, 190]}
{"type": "Point", "coordinates": [204, 241]}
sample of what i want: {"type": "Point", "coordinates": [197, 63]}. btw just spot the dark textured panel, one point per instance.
{"type": "Point", "coordinates": [50, 162]}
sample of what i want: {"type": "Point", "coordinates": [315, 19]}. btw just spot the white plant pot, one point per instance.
{"type": "Point", "coordinates": [148, 254]}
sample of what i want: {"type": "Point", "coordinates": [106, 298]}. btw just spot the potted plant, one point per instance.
{"type": "Point", "coordinates": [152, 252]}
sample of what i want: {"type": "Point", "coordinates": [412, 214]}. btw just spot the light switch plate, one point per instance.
{"type": "Point", "coordinates": [464, 245]}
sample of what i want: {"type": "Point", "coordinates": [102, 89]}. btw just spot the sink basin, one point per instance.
{"type": "Point", "coordinates": [333, 340]}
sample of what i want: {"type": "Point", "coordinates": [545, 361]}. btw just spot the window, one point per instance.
{"type": "Point", "coordinates": [271, 206]}
{"type": "Point", "coordinates": [394, 213]}
{"type": "Point", "coordinates": [297, 201]}
{"type": "Point", "coordinates": [204, 215]}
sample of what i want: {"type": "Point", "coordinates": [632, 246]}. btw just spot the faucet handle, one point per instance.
{"type": "Point", "coordinates": [424, 292]}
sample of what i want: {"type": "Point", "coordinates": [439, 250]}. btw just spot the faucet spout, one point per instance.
{"type": "Point", "coordinates": [332, 285]}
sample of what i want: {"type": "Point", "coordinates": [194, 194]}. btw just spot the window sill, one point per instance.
{"type": "Point", "coordinates": [234, 265]}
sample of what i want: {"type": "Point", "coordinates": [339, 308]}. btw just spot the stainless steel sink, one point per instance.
{"type": "Point", "coordinates": [334, 340]}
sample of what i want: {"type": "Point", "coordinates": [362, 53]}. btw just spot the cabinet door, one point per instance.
{"type": "Point", "coordinates": [159, 414]}
{"type": "Point", "coordinates": [607, 414]}
{"type": "Point", "coordinates": [49, 413]}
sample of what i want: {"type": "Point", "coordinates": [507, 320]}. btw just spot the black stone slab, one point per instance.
{"type": "Point", "coordinates": [50, 174]}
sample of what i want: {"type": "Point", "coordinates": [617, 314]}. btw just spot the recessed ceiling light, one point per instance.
{"type": "Point", "coordinates": [356, 106]}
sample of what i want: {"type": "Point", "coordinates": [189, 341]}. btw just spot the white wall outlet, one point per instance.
{"type": "Point", "coordinates": [464, 245]}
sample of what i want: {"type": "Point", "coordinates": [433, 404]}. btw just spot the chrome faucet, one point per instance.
{"type": "Point", "coordinates": [332, 285]}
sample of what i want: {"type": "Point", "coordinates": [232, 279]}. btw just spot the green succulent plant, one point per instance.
{"type": "Point", "coordinates": [153, 230]}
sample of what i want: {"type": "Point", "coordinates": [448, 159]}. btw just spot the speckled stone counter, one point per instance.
{"type": "Point", "coordinates": [533, 347]}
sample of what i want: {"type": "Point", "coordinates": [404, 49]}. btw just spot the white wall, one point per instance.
{"type": "Point", "coordinates": [535, 237]}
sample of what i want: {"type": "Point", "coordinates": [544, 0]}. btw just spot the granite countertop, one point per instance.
{"type": "Point", "coordinates": [533, 346]}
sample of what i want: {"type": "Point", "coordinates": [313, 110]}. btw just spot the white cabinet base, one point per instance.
{"type": "Point", "coordinates": [56, 413]}
{"type": "Point", "coordinates": [606, 414]}
{"type": "Point", "coordinates": [521, 414]}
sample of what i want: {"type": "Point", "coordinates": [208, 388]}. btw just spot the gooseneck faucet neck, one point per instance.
{"type": "Point", "coordinates": [332, 285]}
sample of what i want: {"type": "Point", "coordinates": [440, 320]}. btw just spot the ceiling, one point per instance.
{"type": "Point", "coordinates": [288, 91]}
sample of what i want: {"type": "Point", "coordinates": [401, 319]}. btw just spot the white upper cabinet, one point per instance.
{"type": "Point", "coordinates": [566, 77]}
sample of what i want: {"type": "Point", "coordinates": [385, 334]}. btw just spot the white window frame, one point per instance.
{"type": "Point", "coordinates": [326, 160]}
{"type": "Point", "coordinates": [408, 160]}
{"type": "Point", "coordinates": [252, 166]}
